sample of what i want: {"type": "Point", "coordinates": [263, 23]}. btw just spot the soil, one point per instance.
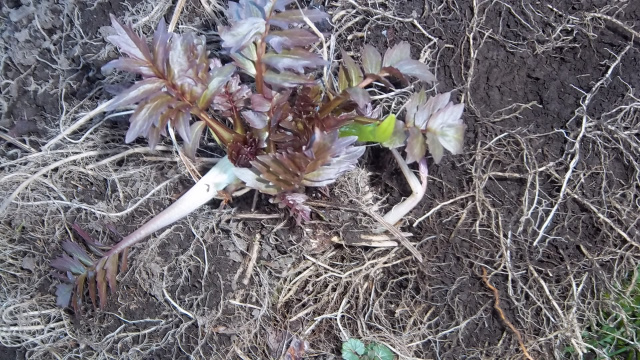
{"type": "Point", "coordinates": [522, 81]}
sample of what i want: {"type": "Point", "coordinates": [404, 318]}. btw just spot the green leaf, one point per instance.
{"type": "Point", "coordinates": [377, 351]}
{"type": "Point", "coordinates": [378, 133]}
{"type": "Point", "coordinates": [352, 349]}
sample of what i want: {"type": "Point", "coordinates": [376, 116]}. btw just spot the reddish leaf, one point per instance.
{"type": "Point", "coordinates": [92, 288]}
{"type": "Point", "coordinates": [396, 74]}
{"type": "Point", "coordinates": [296, 59]}
{"type": "Point", "coordinates": [102, 287]}
{"type": "Point", "coordinates": [256, 120]}
{"type": "Point", "coordinates": [295, 202]}
{"type": "Point", "coordinates": [219, 77]}
{"type": "Point", "coordinates": [242, 33]}
{"type": "Point", "coordinates": [65, 263]}
{"type": "Point", "coordinates": [139, 91]}
{"type": "Point", "coordinates": [290, 38]}
{"type": "Point", "coordinates": [128, 41]}
{"type": "Point", "coordinates": [161, 39]}
{"type": "Point", "coordinates": [286, 79]}
{"type": "Point", "coordinates": [359, 96]}
{"type": "Point", "coordinates": [289, 17]}
{"type": "Point", "coordinates": [111, 268]}
{"type": "Point", "coordinates": [77, 252]}
{"type": "Point", "coordinates": [260, 103]}
{"type": "Point", "coordinates": [354, 71]}
{"type": "Point", "coordinates": [343, 80]}
{"type": "Point", "coordinates": [129, 65]}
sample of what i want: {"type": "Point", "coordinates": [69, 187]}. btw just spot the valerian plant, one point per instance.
{"type": "Point", "coordinates": [282, 128]}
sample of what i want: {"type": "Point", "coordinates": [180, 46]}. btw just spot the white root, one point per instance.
{"type": "Point", "coordinates": [400, 210]}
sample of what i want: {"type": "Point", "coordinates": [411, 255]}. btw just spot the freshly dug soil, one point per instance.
{"type": "Point", "coordinates": [545, 197]}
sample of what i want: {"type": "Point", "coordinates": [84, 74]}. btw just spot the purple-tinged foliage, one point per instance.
{"type": "Point", "coordinates": [178, 79]}
{"type": "Point", "coordinates": [281, 129]}
{"type": "Point", "coordinates": [437, 119]}
{"type": "Point", "coordinates": [76, 269]}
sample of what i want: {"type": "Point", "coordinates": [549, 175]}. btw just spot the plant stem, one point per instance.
{"type": "Point", "coordinates": [261, 49]}
{"type": "Point", "coordinates": [222, 132]}
{"type": "Point", "coordinates": [218, 178]}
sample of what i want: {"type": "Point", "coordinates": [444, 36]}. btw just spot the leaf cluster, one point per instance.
{"type": "Point", "coordinates": [354, 349]}
{"type": "Point", "coordinates": [283, 129]}
{"type": "Point", "coordinates": [77, 270]}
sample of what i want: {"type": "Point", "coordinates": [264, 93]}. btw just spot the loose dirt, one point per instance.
{"type": "Point", "coordinates": [545, 197]}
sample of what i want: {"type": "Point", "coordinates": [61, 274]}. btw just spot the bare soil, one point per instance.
{"type": "Point", "coordinates": [545, 197]}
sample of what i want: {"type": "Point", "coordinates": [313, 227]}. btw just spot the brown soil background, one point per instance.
{"type": "Point", "coordinates": [545, 197]}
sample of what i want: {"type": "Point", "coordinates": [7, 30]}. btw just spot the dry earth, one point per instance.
{"type": "Point", "coordinates": [545, 199]}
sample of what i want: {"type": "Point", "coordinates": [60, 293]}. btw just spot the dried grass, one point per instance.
{"type": "Point", "coordinates": [326, 293]}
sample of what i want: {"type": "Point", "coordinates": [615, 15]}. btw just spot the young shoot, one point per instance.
{"type": "Point", "coordinates": [281, 128]}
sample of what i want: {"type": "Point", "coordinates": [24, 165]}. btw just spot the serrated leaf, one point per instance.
{"type": "Point", "coordinates": [63, 294]}
{"type": "Point", "coordinates": [352, 347]}
{"type": "Point", "coordinates": [296, 59]}
{"type": "Point", "coordinates": [242, 33]}
{"type": "Point", "coordinates": [447, 129]}
{"type": "Point", "coordinates": [415, 68]}
{"type": "Point", "coordinates": [377, 351]}
{"type": "Point", "coordinates": [353, 70]}
{"type": "Point", "coordinates": [290, 38]}
{"type": "Point", "coordinates": [286, 79]}
{"type": "Point", "coordinates": [392, 56]}
{"type": "Point", "coordinates": [378, 133]}
{"type": "Point", "coordinates": [219, 77]}
{"type": "Point", "coordinates": [371, 60]}
{"type": "Point", "coordinates": [416, 145]}
{"type": "Point", "coordinates": [288, 17]}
